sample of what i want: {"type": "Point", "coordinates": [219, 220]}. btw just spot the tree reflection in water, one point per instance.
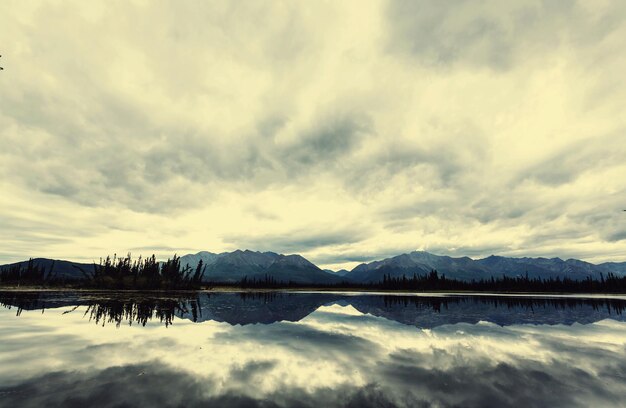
{"type": "Point", "coordinates": [269, 307]}
{"type": "Point", "coordinates": [142, 310]}
{"type": "Point", "coordinates": [103, 308]}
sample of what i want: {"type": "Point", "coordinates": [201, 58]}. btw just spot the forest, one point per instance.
{"type": "Point", "coordinates": [112, 273]}
{"type": "Point", "coordinates": [433, 282]}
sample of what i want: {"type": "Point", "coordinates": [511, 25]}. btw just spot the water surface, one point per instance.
{"type": "Point", "coordinates": [310, 349]}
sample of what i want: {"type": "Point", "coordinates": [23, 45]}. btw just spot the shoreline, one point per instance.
{"type": "Point", "coordinates": [346, 291]}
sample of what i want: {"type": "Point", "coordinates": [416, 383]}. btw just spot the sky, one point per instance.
{"type": "Point", "coordinates": [345, 131]}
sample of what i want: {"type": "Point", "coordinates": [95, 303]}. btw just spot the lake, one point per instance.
{"type": "Point", "coordinates": [323, 349]}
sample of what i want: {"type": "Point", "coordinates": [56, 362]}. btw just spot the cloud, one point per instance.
{"type": "Point", "coordinates": [327, 141]}
{"type": "Point", "coordinates": [251, 369]}
{"type": "Point", "coordinates": [407, 383]}
{"type": "Point", "coordinates": [488, 385]}
{"type": "Point", "coordinates": [494, 35]}
{"type": "Point", "coordinates": [299, 240]}
{"type": "Point", "coordinates": [305, 339]}
{"type": "Point", "coordinates": [617, 236]}
{"type": "Point", "coordinates": [541, 354]}
{"type": "Point", "coordinates": [400, 125]}
{"type": "Point", "coordinates": [593, 154]}
{"type": "Point", "coordinates": [149, 384]}
{"type": "Point", "coordinates": [158, 248]}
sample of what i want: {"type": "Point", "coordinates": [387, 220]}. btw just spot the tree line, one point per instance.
{"type": "Point", "coordinates": [31, 274]}
{"type": "Point", "coordinates": [149, 274]}
{"type": "Point", "coordinates": [112, 273]}
{"type": "Point", "coordinates": [435, 282]}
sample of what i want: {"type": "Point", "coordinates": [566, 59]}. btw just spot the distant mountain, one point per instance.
{"type": "Point", "coordinates": [341, 272]}
{"type": "Point", "coordinates": [231, 267]}
{"type": "Point", "coordinates": [540, 267]}
{"type": "Point", "coordinates": [192, 260]}
{"type": "Point", "coordinates": [418, 263]}
{"type": "Point", "coordinates": [464, 268]}
{"type": "Point", "coordinates": [57, 268]}
{"type": "Point", "coordinates": [234, 266]}
{"type": "Point", "coordinates": [618, 268]}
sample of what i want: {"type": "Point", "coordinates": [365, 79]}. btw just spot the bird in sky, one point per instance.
{"type": "Point", "coordinates": [1, 67]}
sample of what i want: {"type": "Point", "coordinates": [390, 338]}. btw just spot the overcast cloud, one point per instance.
{"type": "Point", "coordinates": [340, 130]}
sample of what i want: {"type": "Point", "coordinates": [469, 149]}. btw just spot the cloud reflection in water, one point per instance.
{"type": "Point", "coordinates": [312, 350]}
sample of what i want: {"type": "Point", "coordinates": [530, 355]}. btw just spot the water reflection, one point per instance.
{"type": "Point", "coordinates": [270, 307]}
{"type": "Point", "coordinates": [103, 308]}
{"type": "Point", "coordinates": [309, 349]}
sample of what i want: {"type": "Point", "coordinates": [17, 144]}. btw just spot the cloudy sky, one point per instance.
{"type": "Point", "coordinates": [342, 130]}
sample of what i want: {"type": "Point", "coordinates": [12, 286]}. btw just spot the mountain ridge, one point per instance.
{"type": "Point", "coordinates": [232, 267]}
{"type": "Point", "coordinates": [465, 268]}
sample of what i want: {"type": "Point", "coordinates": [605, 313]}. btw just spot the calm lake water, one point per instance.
{"type": "Point", "coordinates": [310, 349]}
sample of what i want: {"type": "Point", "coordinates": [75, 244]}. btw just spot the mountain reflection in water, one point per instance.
{"type": "Point", "coordinates": [288, 349]}
{"type": "Point", "coordinates": [270, 307]}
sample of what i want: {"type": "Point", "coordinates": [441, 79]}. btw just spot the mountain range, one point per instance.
{"type": "Point", "coordinates": [231, 267]}
{"type": "Point", "coordinates": [464, 268]}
